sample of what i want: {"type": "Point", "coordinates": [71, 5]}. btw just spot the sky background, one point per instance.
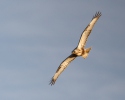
{"type": "Point", "coordinates": [37, 35]}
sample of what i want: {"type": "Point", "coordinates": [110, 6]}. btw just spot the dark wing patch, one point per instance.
{"type": "Point", "coordinates": [98, 14]}
{"type": "Point", "coordinates": [70, 57]}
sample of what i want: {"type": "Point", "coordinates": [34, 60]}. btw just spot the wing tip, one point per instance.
{"type": "Point", "coordinates": [52, 82]}
{"type": "Point", "coordinates": [98, 14]}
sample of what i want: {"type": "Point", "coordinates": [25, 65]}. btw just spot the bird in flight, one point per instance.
{"type": "Point", "coordinates": [80, 50]}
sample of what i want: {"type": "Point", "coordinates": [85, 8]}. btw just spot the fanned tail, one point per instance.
{"type": "Point", "coordinates": [86, 53]}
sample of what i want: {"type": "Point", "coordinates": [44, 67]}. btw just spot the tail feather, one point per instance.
{"type": "Point", "coordinates": [86, 53]}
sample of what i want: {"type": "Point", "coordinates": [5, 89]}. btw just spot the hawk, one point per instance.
{"type": "Point", "coordinates": [80, 50]}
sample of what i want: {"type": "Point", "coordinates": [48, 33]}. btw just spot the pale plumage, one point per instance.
{"type": "Point", "coordinates": [79, 50]}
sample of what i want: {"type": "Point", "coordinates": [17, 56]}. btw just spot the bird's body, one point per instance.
{"type": "Point", "coordinates": [79, 50]}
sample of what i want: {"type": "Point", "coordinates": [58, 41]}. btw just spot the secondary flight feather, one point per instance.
{"type": "Point", "coordinates": [80, 50]}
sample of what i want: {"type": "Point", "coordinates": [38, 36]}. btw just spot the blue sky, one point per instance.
{"type": "Point", "coordinates": [37, 35]}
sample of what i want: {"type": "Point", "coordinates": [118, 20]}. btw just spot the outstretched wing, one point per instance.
{"type": "Point", "coordinates": [87, 31]}
{"type": "Point", "coordinates": [62, 66]}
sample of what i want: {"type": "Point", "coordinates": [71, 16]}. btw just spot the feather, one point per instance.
{"type": "Point", "coordinates": [87, 31]}
{"type": "Point", "coordinates": [61, 68]}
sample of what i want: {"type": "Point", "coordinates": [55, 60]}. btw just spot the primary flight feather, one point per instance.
{"type": "Point", "coordinates": [79, 50]}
